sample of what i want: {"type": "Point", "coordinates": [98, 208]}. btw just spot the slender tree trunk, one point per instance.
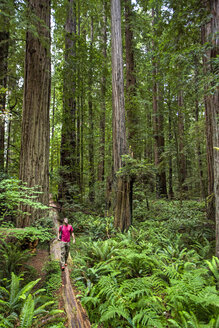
{"type": "Point", "coordinates": [4, 43]}
{"type": "Point", "coordinates": [215, 109]}
{"type": "Point", "coordinates": [161, 189]}
{"type": "Point", "coordinates": [52, 133]}
{"type": "Point", "coordinates": [212, 36]}
{"type": "Point", "coordinates": [171, 194]}
{"type": "Point", "coordinates": [82, 112]}
{"type": "Point", "coordinates": [34, 157]}
{"type": "Point", "coordinates": [182, 158]}
{"type": "Point", "coordinates": [68, 161]}
{"type": "Point", "coordinates": [131, 104]}
{"type": "Point", "coordinates": [101, 165]}
{"type": "Point", "coordinates": [206, 32]}
{"type": "Point", "coordinates": [91, 122]}
{"type": "Point", "coordinates": [78, 98]}
{"type": "Point", "coordinates": [198, 145]}
{"type": "Point", "coordinates": [8, 147]}
{"type": "Point", "coordinates": [123, 187]}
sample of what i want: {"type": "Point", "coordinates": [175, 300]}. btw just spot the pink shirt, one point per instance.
{"type": "Point", "coordinates": [66, 232]}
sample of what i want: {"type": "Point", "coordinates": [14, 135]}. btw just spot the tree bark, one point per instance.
{"type": "Point", "coordinates": [170, 192]}
{"type": "Point", "coordinates": [101, 165]}
{"type": "Point", "coordinates": [131, 104]}
{"type": "Point", "coordinates": [4, 44]}
{"type": "Point", "coordinates": [212, 37]}
{"type": "Point", "coordinates": [91, 121]}
{"type": "Point", "coordinates": [182, 172]}
{"type": "Point", "coordinates": [206, 32]}
{"type": "Point", "coordinates": [161, 189]}
{"type": "Point", "coordinates": [68, 160]}
{"type": "Point", "coordinates": [34, 157]}
{"type": "Point", "coordinates": [123, 188]}
{"type": "Point", "coordinates": [198, 144]}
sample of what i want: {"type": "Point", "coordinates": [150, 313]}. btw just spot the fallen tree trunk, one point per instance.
{"type": "Point", "coordinates": [77, 316]}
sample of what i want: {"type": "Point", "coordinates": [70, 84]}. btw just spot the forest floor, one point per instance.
{"type": "Point", "coordinates": [37, 261]}
{"type": "Point", "coordinates": [77, 316]}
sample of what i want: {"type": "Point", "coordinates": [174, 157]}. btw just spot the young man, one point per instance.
{"type": "Point", "coordinates": [66, 231]}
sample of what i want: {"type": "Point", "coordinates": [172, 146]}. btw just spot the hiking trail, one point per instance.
{"type": "Point", "coordinates": [77, 316]}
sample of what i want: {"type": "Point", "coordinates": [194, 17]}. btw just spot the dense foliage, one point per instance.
{"type": "Point", "coordinates": [25, 308]}
{"type": "Point", "coordinates": [159, 274]}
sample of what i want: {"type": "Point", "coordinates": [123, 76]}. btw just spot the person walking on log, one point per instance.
{"type": "Point", "coordinates": [64, 235]}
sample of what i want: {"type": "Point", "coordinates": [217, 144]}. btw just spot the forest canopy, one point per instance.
{"type": "Point", "coordinates": [101, 102]}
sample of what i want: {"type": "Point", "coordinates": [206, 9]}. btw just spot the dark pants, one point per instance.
{"type": "Point", "coordinates": [65, 247]}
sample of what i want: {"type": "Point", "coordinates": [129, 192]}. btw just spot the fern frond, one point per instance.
{"type": "Point", "coordinates": [41, 308]}
{"type": "Point", "coordinates": [148, 318]}
{"type": "Point", "coordinates": [174, 323]}
{"type": "Point", "coordinates": [134, 288]}
{"type": "Point", "coordinates": [90, 300]}
{"type": "Point", "coordinates": [214, 267]}
{"type": "Point", "coordinates": [114, 311]}
{"type": "Point", "coordinates": [27, 313]}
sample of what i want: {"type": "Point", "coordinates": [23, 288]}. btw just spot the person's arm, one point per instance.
{"type": "Point", "coordinates": [73, 237]}
{"type": "Point", "coordinates": [59, 233]}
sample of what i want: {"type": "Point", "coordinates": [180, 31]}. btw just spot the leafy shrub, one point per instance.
{"type": "Point", "coordinates": [13, 259]}
{"type": "Point", "coordinates": [155, 275]}
{"type": "Point", "coordinates": [53, 277]}
{"type": "Point", "coordinates": [95, 227]}
{"type": "Point", "coordinates": [12, 193]}
{"type": "Point", "coordinates": [28, 234]}
{"type": "Point", "coordinates": [21, 307]}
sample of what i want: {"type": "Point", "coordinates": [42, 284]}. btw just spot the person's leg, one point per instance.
{"type": "Point", "coordinates": [63, 251]}
{"type": "Point", "coordinates": [67, 249]}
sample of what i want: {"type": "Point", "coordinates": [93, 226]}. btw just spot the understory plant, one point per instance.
{"type": "Point", "coordinates": [23, 307]}
{"type": "Point", "coordinates": [13, 193]}
{"type": "Point", "coordinates": [151, 276]}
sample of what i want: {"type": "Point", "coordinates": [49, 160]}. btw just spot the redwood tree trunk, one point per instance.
{"type": "Point", "coordinates": [34, 157]}
{"type": "Point", "coordinates": [182, 172]}
{"type": "Point", "coordinates": [91, 122]}
{"type": "Point", "coordinates": [68, 160]}
{"type": "Point", "coordinates": [123, 188]}
{"type": "Point", "coordinates": [4, 41]}
{"type": "Point", "coordinates": [198, 144]}
{"type": "Point", "coordinates": [131, 105]}
{"type": "Point", "coordinates": [206, 36]}
{"type": "Point", "coordinates": [101, 164]}
{"type": "Point", "coordinates": [170, 192]}
{"type": "Point", "coordinates": [161, 189]}
{"type": "Point", "coordinates": [213, 37]}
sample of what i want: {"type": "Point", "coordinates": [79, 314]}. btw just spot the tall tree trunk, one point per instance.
{"type": "Point", "coordinates": [68, 161]}
{"type": "Point", "coordinates": [206, 32]}
{"type": "Point", "coordinates": [4, 43]}
{"type": "Point", "coordinates": [101, 164]}
{"type": "Point", "coordinates": [161, 189]}
{"type": "Point", "coordinates": [122, 184]}
{"type": "Point", "coordinates": [91, 122]}
{"type": "Point", "coordinates": [198, 145]}
{"type": "Point", "coordinates": [170, 193]}
{"type": "Point", "coordinates": [212, 107]}
{"type": "Point", "coordinates": [131, 104]}
{"type": "Point", "coordinates": [215, 111]}
{"type": "Point", "coordinates": [52, 132]}
{"type": "Point", "coordinates": [182, 172]}
{"type": "Point", "coordinates": [34, 157]}
{"type": "Point", "coordinates": [78, 98]}
{"type": "Point", "coordinates": [8, 147]}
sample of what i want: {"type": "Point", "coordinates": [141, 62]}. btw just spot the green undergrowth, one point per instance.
{"type": "Point", "coordinates": [24, 307]}
{"type": "Point", "coordinates": [29, 233]}
{"type": "Point", "coordinates": [26, 302]}
{"type": "Point", "coordinates": [161, 273]}
{"type": "Point", "coordinates": [53, 280]}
